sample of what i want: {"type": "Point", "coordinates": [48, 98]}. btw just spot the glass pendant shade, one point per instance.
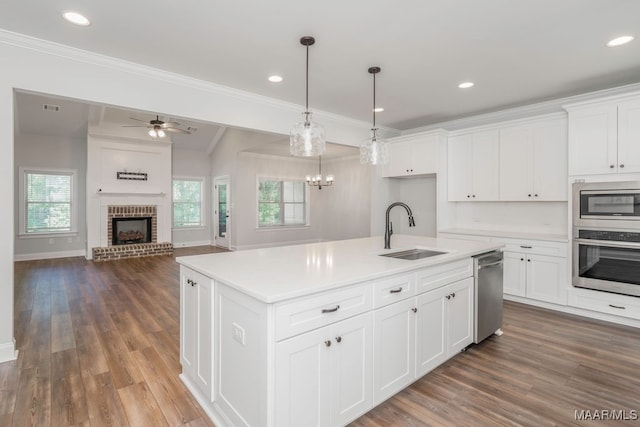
{"type": "Point", "coordinates": [374, 150]}
{"type": "Point", "coordinates": [307, 138]}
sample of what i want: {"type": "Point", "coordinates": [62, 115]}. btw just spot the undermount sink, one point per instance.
{"type": "Point", "coordinates": [412, 254]}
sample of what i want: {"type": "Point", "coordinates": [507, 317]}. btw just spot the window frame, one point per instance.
{"type": "Point", "coordinates": [307, 208]}
{"type": "Point", "coordinates": [23, 171]}
{"type": "Point", "coordinates": [202, 223]}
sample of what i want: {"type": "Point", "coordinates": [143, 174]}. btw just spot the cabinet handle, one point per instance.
{"type": "Point", "coordinates": [448, 296]}
{"type": "Point", "coordinates": [327, 343]}
{"type": "Point", "coordinates": [617, 306]}
{"type": "Point", "coordinates": [521, 259]}
{"type": "Point", "coordinates": [191, 282]}
{"type": "Point", "coordinates": [330, 310]}
{"type": "Point", "coordinates": [612, 166]}
{"type": "Point", "coordinates": [529, 195]}
{"type": "Point", "coordinates": [339, 339]}
{"type": "Point", "coordinates": [473, 195]}
{"type": "Point", "coordinates": [395, 291]}
{"type": "Point", "coordinates": [622, 165]}
{"type": "Point", "coordinates": [468, 196]}
{"type": "Point", "coordinates": [525, 246]}
{"type": "Point", "coordinates": [528, 260]}
{"type": "Point", "coordinates": [453, 295]}
{"type": "Point", "coordinates": [535, 195]}
{"type": "Point", "coordinates": [414, 309]}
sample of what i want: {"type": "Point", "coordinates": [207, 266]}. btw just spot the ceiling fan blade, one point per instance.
{"type": "Point", "coordinates": [169, 125]}
{"type": "Point", "coordinates": [135, 126]}
{"type": "Point", "coordinates": [177, 130]}
{"type": "Point", "coordinates": [139, 120]}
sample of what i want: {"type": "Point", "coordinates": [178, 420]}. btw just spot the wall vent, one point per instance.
{"type": "Point", "coordinates": [50, 107]}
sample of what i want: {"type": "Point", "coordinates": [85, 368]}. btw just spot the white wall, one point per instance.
{"type": "Point", "coordinates": [81, 75]}
{"type": "Point", "coordinates": [56, 153]}
{"type": "Point", "coordinates": [194, 164]}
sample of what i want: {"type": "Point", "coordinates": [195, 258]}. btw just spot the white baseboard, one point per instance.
{"type": "Point", "coordinates": [273, 244]}
{"type": "Point", "coordinates": [8, 351]}
{"type": "Point", "coordinates": [49, 255]}
{"type": "Point", "coordinates": [192, 244]}
{"type": "Point", "coordinates": [577, 311]}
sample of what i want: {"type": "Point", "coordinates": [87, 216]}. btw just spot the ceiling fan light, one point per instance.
{"type": "Point", "coordinates": [161, 133]}
{"type": "Point", "coordinates": [152, 133]}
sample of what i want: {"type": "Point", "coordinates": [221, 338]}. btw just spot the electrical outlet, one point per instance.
{"type": "Point", "coordinates": [238, 333]}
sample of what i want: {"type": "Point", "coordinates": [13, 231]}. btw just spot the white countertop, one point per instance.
{"type": "Point", "coordinates": [280, 273]}
{"type": "Point", "coordinates": [508, 234]}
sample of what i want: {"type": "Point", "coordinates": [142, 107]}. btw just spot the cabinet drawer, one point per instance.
{"type": "Point", "coordinates": [539, 247]}
{"type": "Point", "coordinates": [392, 289]}
{"type": "Point", "coordinates": [603, 302]}
{"type": "Point", "coordinates": [440, 275]}
{"type": "Point", "coordinates": [305, 314]}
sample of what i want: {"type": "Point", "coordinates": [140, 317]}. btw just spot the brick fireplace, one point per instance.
{"type": "Point", "coordinates": [136, 239]}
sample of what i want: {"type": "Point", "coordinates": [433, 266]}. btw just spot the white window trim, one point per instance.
{"type": "Point", "coordinates": [307, 201]}
{"type": "Point", "coordinates": [22, 211]}
{"type": "Point", "coordinates": [203, 224]}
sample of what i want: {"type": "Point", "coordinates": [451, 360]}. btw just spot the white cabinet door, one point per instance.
{"type": "Point", "coordinates": [414, 156]}
{"type": "Point", "coordinates": [549, 161]}
{"type": "Point", "coordinates": [459, 168]}
{"type": "Point", "coordinates": [324, 377]}
{"type": "Point", "coordinates": [302, 392]}
{"type": "Point", "coordinates": [196, 338]}
{"type": "Point", "coordinates": [629, 136]}
{"type": "Point", "coordinates": [351, 370]}
{"type": "Point", "coordinates": [593, 136]}
{"type": "Point", "coordinates": [460, 315]}
{"type": "Point", "coordinates": [485, 173]}
{"type": "Point", "coordinates": [400, 162]}
{"type": "Point", "coordinates": [516, 165]}
{"type": "Point", "coordinates": [431, 341]}
{"type": "Point", "coordinates": [394, 347]}
{"type": "Point", "coordinates": [546, 278]}
{"type": "Point", "coordinates": [514, 280]}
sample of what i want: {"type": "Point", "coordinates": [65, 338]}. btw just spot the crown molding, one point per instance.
{"type": "Point", "coordinates": [52, 48]}
{"type": "Point", "coordinates": [527, 111]}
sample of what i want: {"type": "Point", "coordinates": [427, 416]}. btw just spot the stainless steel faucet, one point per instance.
{"type": "Point", "coordinates": [388, 227]}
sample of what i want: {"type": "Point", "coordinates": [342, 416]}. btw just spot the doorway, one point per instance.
{"type": "Point", "coordinates": [221, 212]}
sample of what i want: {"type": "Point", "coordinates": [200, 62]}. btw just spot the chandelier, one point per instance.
{"type": "Point", "coordinates": [316, 180]}
{"type": "Point", "coordinates": [307, 137]}
{"type": "Point", "coordinates": [374, 150]}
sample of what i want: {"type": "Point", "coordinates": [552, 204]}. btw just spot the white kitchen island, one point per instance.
{"type": "Point", "coordinates": [318, 334]}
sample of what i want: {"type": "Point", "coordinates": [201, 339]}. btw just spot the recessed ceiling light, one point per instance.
{"type": "Point", "coordinates": [378, 109]}
{"type": "Point", "coordinates": [619, 41]}
{"type": "Point", "coordinates": [466, 85]}
{"type": "Point", "coordinates": [76, 18]}
{"type": "Point", "coordinates": [275, 79]}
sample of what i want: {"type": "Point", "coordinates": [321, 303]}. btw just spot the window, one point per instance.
{"type": "Point", "coordinates": [187, 203]}
{"type": "Point", "coordinates": [48, 204]}
{"type": "Point", "coordinates": [281, 202]}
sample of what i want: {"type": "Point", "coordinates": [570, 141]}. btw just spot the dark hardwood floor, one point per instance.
{"type": "Point", "coordinates": [99, 346]}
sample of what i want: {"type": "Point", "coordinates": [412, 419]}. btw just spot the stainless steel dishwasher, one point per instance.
{"type": "Point", "coordinates": [488, 271]}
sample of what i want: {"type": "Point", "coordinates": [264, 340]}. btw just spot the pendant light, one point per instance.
{"type": "Point", "coordinates": [373, 150]}
{"type": "Point", "coordinates": [316, 180]}
{"type": "Point", "coordinates": [307, 137]}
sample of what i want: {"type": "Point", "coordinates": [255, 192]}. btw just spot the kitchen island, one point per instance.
{"type": "Point", "coordinates": [318, 334]}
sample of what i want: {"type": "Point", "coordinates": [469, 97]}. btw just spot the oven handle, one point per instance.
{"type": "Point", "coordinates": [610, 243]}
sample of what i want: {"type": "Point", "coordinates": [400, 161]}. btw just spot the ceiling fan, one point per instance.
{"type": "Point", "coordinates": [158, 128]}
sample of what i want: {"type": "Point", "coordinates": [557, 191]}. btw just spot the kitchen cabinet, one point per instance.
{"type": "Point", "coordinates": [196, 315]}
{"type": "Point", "coordinates": [473, 172]}
{"type": "Point", "coordinates": [533, 161]}
{"type": "Point", "coordinates": [412, 155]}
{"type": "Point", "coordinates": [531, 274]}
{"type": "Point", "coordinates": [414, 336]}
{"type": "Point", "coordinates": [604, 137]}
{"type": "Point", "coordinates": [323, 377]}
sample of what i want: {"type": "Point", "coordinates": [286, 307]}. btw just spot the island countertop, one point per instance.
{"type": "Point", "coordinates": [280, 273]}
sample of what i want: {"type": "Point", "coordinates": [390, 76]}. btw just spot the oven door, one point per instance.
{"type": "Point", "coordinates": [604, 265]}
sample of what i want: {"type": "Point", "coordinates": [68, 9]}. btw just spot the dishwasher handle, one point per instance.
{"type": "Point", "coordinates": [481, 266]}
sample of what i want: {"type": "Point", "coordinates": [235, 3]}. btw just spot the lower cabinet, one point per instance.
{"type": "Point", "coordinates": [414, 336]}
{"type": "Point", "coordinates": [539, 277]}
{"type": "Point", "coordinates": [324, 377]}
{"type": "Point", "coordinates": [196, 329]}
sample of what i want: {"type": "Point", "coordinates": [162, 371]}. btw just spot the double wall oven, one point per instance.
{"type": "Point", "coordinates": [606, 236]}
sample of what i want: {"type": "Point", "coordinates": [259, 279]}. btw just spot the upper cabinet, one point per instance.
{"type": "Point", "coordinates": [533, 161]}
{"type": "Point", "coordinates": [413, 155]}
{"type": "Point", "coordinates": [473, 166]}
{"type": "Point", "coordinates": [515, 161]}
{"type": "Point", "coordinates": [604, 137]}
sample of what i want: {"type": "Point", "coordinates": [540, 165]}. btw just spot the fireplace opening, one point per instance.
{"type": "Point", "coordinates": [126, 231]}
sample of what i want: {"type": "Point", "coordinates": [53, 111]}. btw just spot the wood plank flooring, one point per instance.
{"type": "Point", "coordinates": [99, 346]}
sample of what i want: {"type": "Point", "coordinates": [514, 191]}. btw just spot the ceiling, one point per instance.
{"type": "Point", "coordinates": [516, 52]}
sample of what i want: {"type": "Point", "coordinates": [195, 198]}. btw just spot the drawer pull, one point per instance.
{"type": "Point", "coordinates": [617, 306]}
{"type": "Point", "coordinates": [395, 291]}
{"type": "Point", "coordinates": [330, 310]}
{"type": "Point", "coordinates": [525, 246]}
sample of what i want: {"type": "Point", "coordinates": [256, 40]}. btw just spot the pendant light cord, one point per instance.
{"type": "Point", "coordinates": [374, 100]}
{"type": "Point", "coordinates": [307, 83]}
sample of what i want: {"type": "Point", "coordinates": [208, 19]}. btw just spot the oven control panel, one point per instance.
{"type": "Point", "coordinates": [618, 236]}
